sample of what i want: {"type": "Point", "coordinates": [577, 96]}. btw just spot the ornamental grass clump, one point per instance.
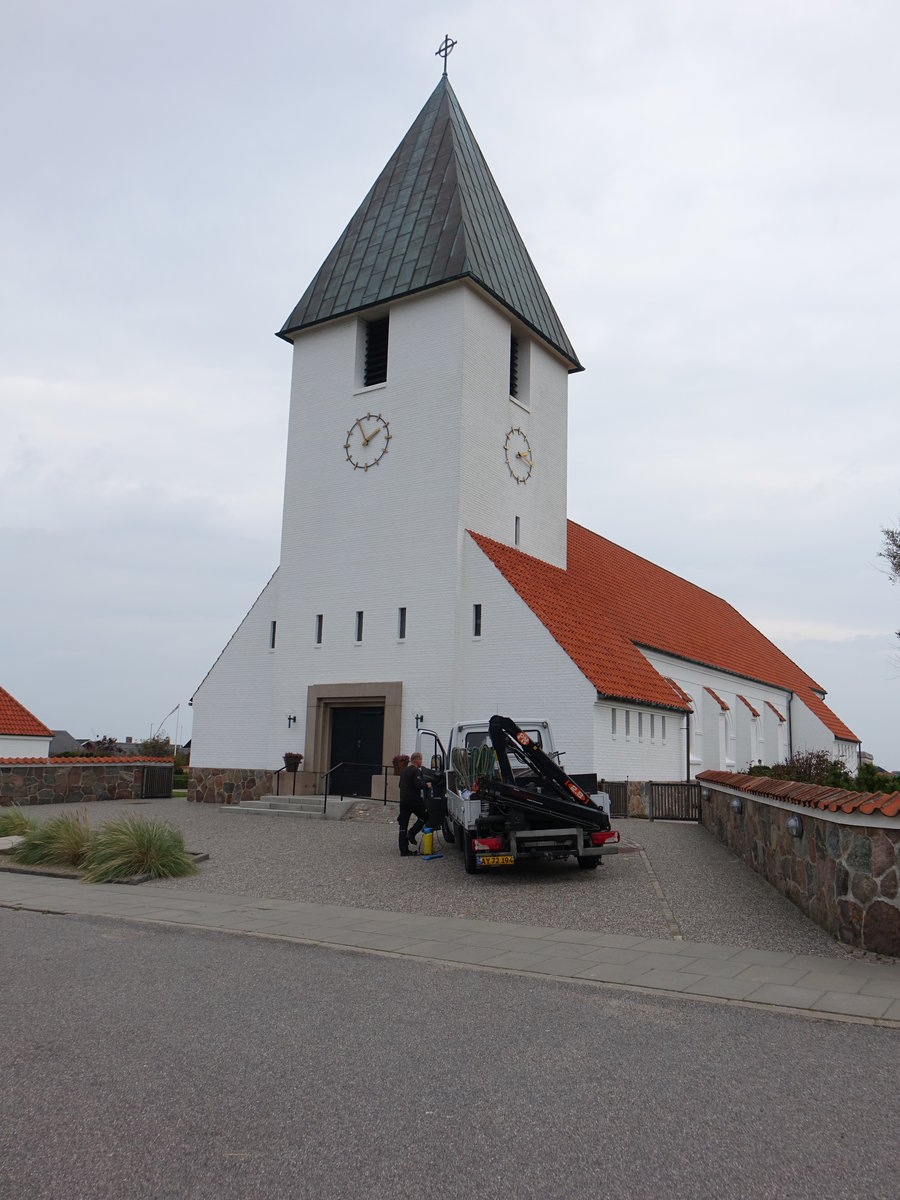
{"type": "Point", "coordinates": [15, 821]}
{"type": "Point", "coordinates": [135, 845]}
{"type": "Point", "coordinates": [61, 841]}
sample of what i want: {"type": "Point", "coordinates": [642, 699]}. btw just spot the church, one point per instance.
{"type": "Point", "coordinates": [428, 572]}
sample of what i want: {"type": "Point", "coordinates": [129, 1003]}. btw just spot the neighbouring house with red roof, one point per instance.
{"type": "Point", "coordinates": [428, 572]}
{"type": "Point", "coordinates": [22, 735]}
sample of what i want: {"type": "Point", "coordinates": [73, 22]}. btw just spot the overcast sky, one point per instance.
{"type": "Point", "coordinates": [710, 192]}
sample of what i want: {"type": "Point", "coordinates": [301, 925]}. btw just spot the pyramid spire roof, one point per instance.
{"type": "Point", "coordinates": [433, 215]}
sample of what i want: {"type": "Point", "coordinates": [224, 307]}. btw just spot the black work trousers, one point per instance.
{"type": "Point", "coordinates": [408, 809]}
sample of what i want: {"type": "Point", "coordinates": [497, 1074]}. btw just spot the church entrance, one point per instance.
{"type": "Point", "coordinates": [357, 737]}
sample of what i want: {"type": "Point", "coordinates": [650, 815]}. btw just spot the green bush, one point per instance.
{"type": "Point", "coordinates": [135, 845]}
{"type": "Point", "coordinates": [15, 821]}
{"type": "Point", "coordinates": [63, 840]}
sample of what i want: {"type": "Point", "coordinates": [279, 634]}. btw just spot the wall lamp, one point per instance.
{"type": "Point", "coordinates": [420, 717]}
{"type": "Point", "coordinates": [737, 804]}
{"type": "Point", "coordinates": [794, 826]}
{"type": "Point", "coordinates": [704, 793]}
{"type": "Point", "coordinates": [291, 719]}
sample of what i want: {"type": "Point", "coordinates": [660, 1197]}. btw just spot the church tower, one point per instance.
{"type": "Point", "coordinates": [428, 402]}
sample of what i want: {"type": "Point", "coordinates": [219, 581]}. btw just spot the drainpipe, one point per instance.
{"type": "Point", "coordinates": [687, 746]}
{"type": "Point", "coordinates": [790, 728]}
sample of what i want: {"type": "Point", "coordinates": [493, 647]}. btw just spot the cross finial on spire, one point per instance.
{"type": "Point", "coordinates": [444, 49]}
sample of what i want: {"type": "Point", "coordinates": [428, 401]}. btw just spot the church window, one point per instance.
{"type": "Point", "coordinates": [640, 726]}
{"type": "Point", "coordinates": [375, 370]}
{"type": "Point", "coordinates": [272, 636]}
{"type": "Point", "coordinates": [359, 626]}
{"type": "Point", "coordinates": [514, 366]}
{"type": "Point", "coordinates": [401, 624]}
{"type": "Point", "coordinates": [652, 727]}
{"type": "Point", "coordinates": [476, 620]}
{"type": "Point", "coordinates": [612, 721]}
{"type": "Point", "coordinates": [320, 627]}
{"type": "Point", "coordinates": [627, 723]}
{"type": "Point", "coordinates": [517, 532]}
{"type": "Point", "coordinates": [662, 728]}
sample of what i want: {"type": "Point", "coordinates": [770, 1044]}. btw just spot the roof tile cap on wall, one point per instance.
{"type": "Point", "coordinates": [809, 795]}
{"type": "Point", "coordinates": [118, 761]}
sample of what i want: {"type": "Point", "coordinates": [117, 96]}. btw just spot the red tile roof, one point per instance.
{"type": "Point", "coordinates": [17, 721]}
{"type": "Point", "coordinates": [749, 705]}
{"type": "Point", "coordinates": [113, 760]}
{"type": "Point", "coordinates": [808, 795]}
{"type": "Point", "coordinates": [609, 602]}
{"type": "Point", "coordinates": [780, 717]}
{"type": "Point", "coordinates": [718, 699]}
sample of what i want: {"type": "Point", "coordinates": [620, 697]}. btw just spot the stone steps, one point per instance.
{"type": "Point", "coordinates": [309, 807]}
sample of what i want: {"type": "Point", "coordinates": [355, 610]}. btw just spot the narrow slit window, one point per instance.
{"type": "Point", "coordinates": [359, 626]}
{"type": "Point", "coordinates": [627, 723]}
{"type": "Point", "coordinates": [476, 620]}
{"type": "Point", "coordinates": [517, 531]}
{"type": "Point", "coordinates": [513, 365]}
{"type": "Point", "coordinates": [612, 721]}
{"type": "Point", "coordinates": [376, 352]}
{"type": "Point", "coordinates": [401, 624]}
{"type": "Point", "coordinates": [272, 635]}
{"type": "Point", "coordinates": [320, 627]}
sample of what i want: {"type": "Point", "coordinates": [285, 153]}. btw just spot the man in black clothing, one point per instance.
{"type": "Point", "coordinates": [412, 783]}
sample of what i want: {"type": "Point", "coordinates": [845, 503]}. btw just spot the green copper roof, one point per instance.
{"type": "Point", "coordinates": [433, 215]}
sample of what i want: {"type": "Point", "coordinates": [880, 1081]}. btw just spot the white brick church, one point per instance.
{"type": "Point", "coordinates": [428, 572]}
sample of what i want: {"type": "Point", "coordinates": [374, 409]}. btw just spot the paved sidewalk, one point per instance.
{"type": "Point", "coordinates": [847, 987]}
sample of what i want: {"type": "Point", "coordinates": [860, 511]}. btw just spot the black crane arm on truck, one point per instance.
{"type": "Point", "coordinates": [552, 792]}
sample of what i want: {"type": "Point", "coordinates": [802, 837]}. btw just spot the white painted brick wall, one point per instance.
{"type": "Point", "coordinates": [24, 747]}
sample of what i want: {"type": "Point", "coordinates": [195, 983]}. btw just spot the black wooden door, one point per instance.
{"type": "Point", "coordinates": [357, 735]}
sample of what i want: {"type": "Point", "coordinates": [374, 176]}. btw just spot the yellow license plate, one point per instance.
{"type": "Point", "coordinates": [496, 860]}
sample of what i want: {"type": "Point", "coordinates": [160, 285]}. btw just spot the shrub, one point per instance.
{"type": "Point", "coordinates": [136, 845]}
{"type": "Point", "coordinates": [63, 840]}
{"type": "Point", "coordinates": [14, 821]}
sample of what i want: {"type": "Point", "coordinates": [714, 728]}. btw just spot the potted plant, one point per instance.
{"type": "Point", "coordinates": [292, 760]}
{"type": "Point", "coordinates": [400, 761]}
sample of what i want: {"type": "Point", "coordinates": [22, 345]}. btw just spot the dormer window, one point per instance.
{"type": "Point", "coordinates": [376, 359]}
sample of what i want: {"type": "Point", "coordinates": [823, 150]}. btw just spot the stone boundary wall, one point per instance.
{"type": "Point", "coordinates": [230, 785]}
{"type": "Point", "coordinates": [28, 784]}
{"type": "Point", "coordinates": [845, 877]}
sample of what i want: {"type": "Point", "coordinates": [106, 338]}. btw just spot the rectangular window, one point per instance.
{"type": "Point", "coordinates": [612, 721]}
{"type": "Point", "coordinates": [359, 626]}
{"type": "Point", "coordinates": [376, 352]}
{"type": "Point", "coordinates": [320, 627]}
{"type": "Point", "coordinates": [640, 725]}
{"type": "Point", "coordinates": [627, 723]}
{"type": "Point", "coordinates": [513, 365]}
{"type": "Point", "coordinates": [401, 624]}
{"type": "Point", "coordinates": [476, 620]}
{"type": "Point", "coordinates": [272, 636]}
{"type": "Point", "coordinates": [517, 531]}
{"type": "Point", "coordinates": [662, 728]}
{"type": "Point", "coordinates": [652, 726]}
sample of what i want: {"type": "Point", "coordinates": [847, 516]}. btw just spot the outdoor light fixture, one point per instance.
{"type": "Point", "coordinates": [292, 720]}
{"type": "Point", "coordinates": [704, 793]}
{"type": "Point", "coordinates": [794, 826]}
{"type": "Point", "coordinates": [419, 719]}
{"type": "Point", "coordinates": [737, 804]}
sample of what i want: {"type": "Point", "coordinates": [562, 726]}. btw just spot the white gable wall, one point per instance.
{"type": "Point", "coordinates": [233, 705]}
{"type": "Point", "coordinates": [15, 746]}
{"type": "Point", "coordinates": [647, 743]}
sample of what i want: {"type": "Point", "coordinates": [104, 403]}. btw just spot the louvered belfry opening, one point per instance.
{"type": "Point", "coordinates": [513, 366]}
{"type": "Point", "coordinates": [376, 351]}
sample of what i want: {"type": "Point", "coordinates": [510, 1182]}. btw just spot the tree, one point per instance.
{"type": "Point", "coordinates": [156, 746]}
{"type": "Point", "coordinates": [890, 552]}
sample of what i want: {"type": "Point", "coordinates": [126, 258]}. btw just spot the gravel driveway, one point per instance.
{"type": "Point", "coordinates": [708, 894]}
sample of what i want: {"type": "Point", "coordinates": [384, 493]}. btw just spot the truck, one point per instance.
{"type": "Point", "coordinates": [500, 794]}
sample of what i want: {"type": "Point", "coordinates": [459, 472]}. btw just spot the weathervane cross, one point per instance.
{"type": "Point", "coordinates": [444, 49]}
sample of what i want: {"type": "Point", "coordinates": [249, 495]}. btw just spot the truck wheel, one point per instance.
{"type": "Point", "coordinates": [589, 864]}
{"type": "Point", "coordinates": [448, 829]}
{"type": "Point", "coordinates": [469, 853]}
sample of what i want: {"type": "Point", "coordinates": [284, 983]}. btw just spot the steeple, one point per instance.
{"type": "Point", "coordinates": [434, 215]}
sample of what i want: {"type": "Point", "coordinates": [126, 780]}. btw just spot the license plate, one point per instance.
{"type": "Point", "coordinates": [495, 860]}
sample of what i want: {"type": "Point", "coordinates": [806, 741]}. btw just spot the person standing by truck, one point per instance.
{"type": "Point", "coordinates": [412, 803]}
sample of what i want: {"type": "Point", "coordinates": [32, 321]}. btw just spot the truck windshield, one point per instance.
{"type": "Point", "coordinates": [479, 737]}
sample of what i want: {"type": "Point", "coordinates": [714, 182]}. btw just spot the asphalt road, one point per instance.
{"type": "Point", "coordinates": [156, 1062]}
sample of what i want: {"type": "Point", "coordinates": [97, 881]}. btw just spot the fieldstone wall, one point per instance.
{"type": "Point", "coordinates": [214, 785]}
{"type": "Point", "coordinates": [69, 783]}
{"type": "Point", "coordinates": [845, 877]}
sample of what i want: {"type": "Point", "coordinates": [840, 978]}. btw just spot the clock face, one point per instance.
{"type": "Point", "coordinates": [367, 441]}
{"type": "Point", "coordinates": [517, 449]}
